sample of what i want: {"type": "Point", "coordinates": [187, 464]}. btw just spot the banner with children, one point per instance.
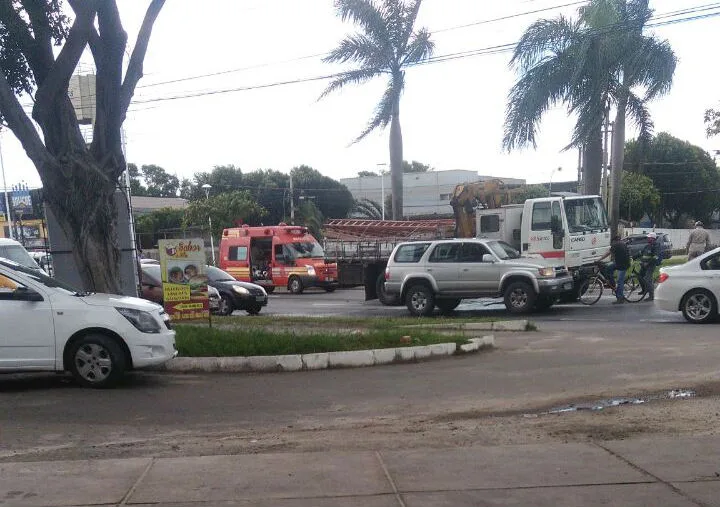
{"type": "Point", "coordinates": [184, 282]}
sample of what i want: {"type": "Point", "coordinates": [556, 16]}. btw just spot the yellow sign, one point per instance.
{"type": "Point", "coordinates": [185, 288]}
{"type": "Point", "coordinates": [173, 292]}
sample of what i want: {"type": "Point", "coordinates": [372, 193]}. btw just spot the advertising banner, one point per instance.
{"type": "Point", "coordinates": [184, 282]}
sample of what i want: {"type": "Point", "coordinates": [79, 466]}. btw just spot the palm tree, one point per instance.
{"type": "Point", "coordinates": [367, 208]}
{"type": "Point", "coordinates": [636, 62]}
{"type": "Point", "coordinates": [591, 64]}
{"type": "Point", "coordinates": [385, 45]}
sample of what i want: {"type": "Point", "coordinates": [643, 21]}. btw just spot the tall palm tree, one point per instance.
{"type": "Point", "coordinates": [592, 64]}
{"type": "Point", "coordinates": [385, 45]}
{"type": "Point", "coordinates": [637, 63]}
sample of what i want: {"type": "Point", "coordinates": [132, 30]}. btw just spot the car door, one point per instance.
{"type": "Point", "coordinates": [442, 265]}
{"type": "Point", "coordinates": [475, 275]}
{"type": "Point", "coordinates": [709, 276]}
{"type": "Point", "coordinates": [27, 340]}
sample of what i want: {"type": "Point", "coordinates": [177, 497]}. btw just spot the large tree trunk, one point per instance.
{"type": "Point", "coordinates": [593, 164]}
{"type": "Point", "coordinates": [618, 160]}
{"type": "Point", "coordinates": [396, 159]}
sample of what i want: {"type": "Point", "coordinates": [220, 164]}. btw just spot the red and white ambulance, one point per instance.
{"type": "Point", "coordinates": [277, 256]}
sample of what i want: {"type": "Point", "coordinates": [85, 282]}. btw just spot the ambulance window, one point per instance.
{"type": "Point", "coordinates": [490, 223]}
{"type": "Point", "coordinates": [237, 253]}
{"type": "Point", "coordinates": [541, 216]}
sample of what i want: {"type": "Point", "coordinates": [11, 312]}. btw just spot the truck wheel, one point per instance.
{"type": "Point", "coordinates": [97, 361]}
{"type": "Point", "coordinates": [448, 305]}
{"type": "Point", "coordinates": [520, 297]}
{"type": "Point", "coordinates": [420, 300]}
{"type": "Point", "coordinates": [295, 285]}
{"type": "Point", "coordinates": [383, 296]}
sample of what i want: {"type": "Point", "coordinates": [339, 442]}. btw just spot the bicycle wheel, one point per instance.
{"type": "Point", "coordinates": [633, 289]}
{"type": "Point", "coordinates": [590, 290]}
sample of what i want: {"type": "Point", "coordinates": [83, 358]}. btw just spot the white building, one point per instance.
{"type": "Point", "coordinates": [423, 193]}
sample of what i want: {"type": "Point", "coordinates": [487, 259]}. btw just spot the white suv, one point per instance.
{"type": "Point", "coordinates": [48, 326]}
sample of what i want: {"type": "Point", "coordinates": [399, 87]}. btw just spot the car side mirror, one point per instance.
{"type": "Point", "coordinates": [488, 258]}
{"type": "Point", "coordinates": [25, 294]}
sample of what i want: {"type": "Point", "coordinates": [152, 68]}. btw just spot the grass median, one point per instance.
{"type": "Point", "coordinates": [272, 335]}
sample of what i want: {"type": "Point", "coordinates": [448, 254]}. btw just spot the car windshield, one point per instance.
{"type": "Point", "coordinates": [503, 250]}
{"type": "Point", "coordinates": [39, 276]}
{"type": "Point", "coordinates": [18, 254]}
{"type": "Point", "coordinates": [217, 275]}
{"type": "Point", "coordinates": [306, 250]}
{"type": "Point", "coordinates": [585, 214]}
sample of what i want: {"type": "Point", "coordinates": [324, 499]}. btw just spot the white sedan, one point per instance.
{"type": "Point", "coordinates": [692, 288]}
{"type": "Point", "coordinates": [48, 326]}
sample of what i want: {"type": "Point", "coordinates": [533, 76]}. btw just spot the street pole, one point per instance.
{"type": "Point", "coordinates": [382, 187]}
{"type": "Point", "coordinates": [207, 188]}
{"type": "Point", "coordinates": [292, 203]}
{"type": "Point", "coordinates": [7, 201]}
{"type": "Point", "coordinates": [551, 177]}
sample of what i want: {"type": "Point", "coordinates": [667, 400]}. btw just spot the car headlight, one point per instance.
{"type": "Point", "coordinates": [547, 272]}
{"type": "Point", "coordinates": [240, 290]}
{"type": "Point", "coordinates": [143, 321]}
{"type": "Point", "coordinates": [311, 270]}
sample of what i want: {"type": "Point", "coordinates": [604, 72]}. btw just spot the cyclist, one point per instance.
{"type": "Point", "coordinates": [650, 256]}
{"type": "Point", "coordinates": [620, 263]}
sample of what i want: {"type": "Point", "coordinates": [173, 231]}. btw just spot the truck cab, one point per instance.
{"type": "Point", "coordinates": [277, 256]}
{"type": "Point", "coordinates": [570, 231]}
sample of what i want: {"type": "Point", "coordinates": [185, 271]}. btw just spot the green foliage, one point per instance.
{"type": "Point", "coordinates": [415, 167]}
{"type": "Point", "coordinates": [309, 215]}
{"type": "Point", "coordinates": [367, 208]}
{"type": "Point", "coordinates": [366, 174]}
{"type": "Point", "coordinates": [712, 122]}
{"type": "Point", "coordinates": [530, 192]}
{"type": "Point", "coordinates": [152, 181]}
{"type": "Point", "coordinates": [148, 226]}
{"type": "Point", "coordinates": [225, 209]}
{"type": "Point", "coordinates": [638, 196]}
{"type": "Point", "coordinates": [685, 175]}
{"type": "Point", "coordinates": [332, 198]}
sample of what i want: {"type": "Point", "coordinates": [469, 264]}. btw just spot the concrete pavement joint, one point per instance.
{"type": "Point", "coordinates": [134, 487]}
{"type": "Point", "coordinates": [397, 494]}
{"type": "Point", "coordinates": [650, 474]}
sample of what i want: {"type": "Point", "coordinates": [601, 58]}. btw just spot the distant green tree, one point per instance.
{"type": "Point", "coordinates": [365, 174]}
{"type": "Point", "coordinates": [367, 208]}
{"type": "Point", "coordinates": [712, 122]}
{"type": "Point", "coordinates": [685, 175]}
{"type": "Point", "coordinates": [147, 227]}
{"type": "Point", "coordinates": [415, 167]}
{"type": "Point", "coordinates": [136, 186]}
{"type": "Point", "coordinates": [332, 198]}
{"type": "Point", "coordinates": [309, 215]}
{"type": "Point", "coordinates": [225, 210]}
{"type": "Point", "coordinates": [530, 192]}
{"type": "Point", "coordinates": [638, 197]}
{"type": "Point", "coordinates": [153, 181]}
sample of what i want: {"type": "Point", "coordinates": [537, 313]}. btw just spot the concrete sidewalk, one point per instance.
{"type": "Point", "coordinates": [674, 472]}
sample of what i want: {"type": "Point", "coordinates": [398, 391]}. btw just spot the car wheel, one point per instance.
{"type": "Point", "coordinates": [448, 305]}
{"type": "Point", "coordinates": [270, 289]}
{"type": "Point", "coordinates": [226, 305]}
{"type": "Point", "coordinates": [295, 285]}
{"type": "Point", "coordinates": [329, 289]}
{"type": "Point", "coordinates": [699, 307]}
{"type": "Point", "coordinates": [253, 310]}
{"type": "Point", "coordinates": [97, 361]}
{"type": "Point", "coordinates": [383, 296]}
{"type": "Point", "coordinates": [420, 300]}
{"type": "Point", "coordinates": [519, 297]}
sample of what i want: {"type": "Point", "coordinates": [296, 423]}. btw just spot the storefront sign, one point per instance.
{"type": "Point", "coordinates": [185, 292]}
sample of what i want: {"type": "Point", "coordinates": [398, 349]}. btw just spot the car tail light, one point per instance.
{"type": "Point", "coordinates": [663, 277]}
{"type": "Point", "coordinates": [387, 274]}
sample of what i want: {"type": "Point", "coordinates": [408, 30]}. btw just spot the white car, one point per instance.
{"type": "Point", "coordinates": [692, 288]}
{"type": "Point", "coordinates": [48, 326]}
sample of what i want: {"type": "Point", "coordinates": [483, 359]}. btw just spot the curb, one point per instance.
{"type": "Point", "coordinates": [324, 360]}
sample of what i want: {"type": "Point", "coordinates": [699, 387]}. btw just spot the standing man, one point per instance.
{"type": "Point", "coordinates": [698, 242]}
{"type": "Point", "coordinates": [649, 258]}
{"type": "Point", "coordinates": [620, 263]}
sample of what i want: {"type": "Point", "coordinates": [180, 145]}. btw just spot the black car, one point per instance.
{"type": "Point", "coordinates": [636, 242]}
{"type": "Point", "coordinates": [234, 294]}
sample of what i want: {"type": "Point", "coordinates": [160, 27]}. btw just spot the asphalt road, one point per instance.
{"type": "Point", "coordinates": [351, 302]}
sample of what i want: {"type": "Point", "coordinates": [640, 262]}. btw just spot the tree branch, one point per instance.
{"type": "Point", "coordinates": [37, 12]}
{"type": "Point", "coordinates": [18, 29]}
{"type": "Point", "coordinates": [23, 128]}
{"type": "Point", "coordinates": [135, 67]}
{"type": "Point", "coordinates": [94, 40]}
{"type": "Point", "coordinates": [59, 75]}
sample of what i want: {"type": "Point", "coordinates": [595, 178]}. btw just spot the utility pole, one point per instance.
{"type": "Point", "coordinates": [7, 201]}
{"type": "Point", "coordinates": [292, 202]}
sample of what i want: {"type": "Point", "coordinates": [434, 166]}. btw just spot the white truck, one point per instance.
{"type": "Point", "coordinates": [573, 231]}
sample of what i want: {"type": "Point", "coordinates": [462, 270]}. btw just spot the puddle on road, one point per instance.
{"type": "Point", "coordinates": [594, 406]}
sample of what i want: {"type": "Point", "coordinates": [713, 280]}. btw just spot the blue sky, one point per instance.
{"type": "Point", "coordinates": [451, 112]}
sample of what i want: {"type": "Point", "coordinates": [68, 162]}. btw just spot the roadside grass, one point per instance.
{"type": "Point", "coordinates": [196, 341]}
{"type": "Point", "coordinates": [322, 323]}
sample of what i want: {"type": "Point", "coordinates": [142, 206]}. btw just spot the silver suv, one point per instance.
{"type": "Point", "coordinates": [426, 274]}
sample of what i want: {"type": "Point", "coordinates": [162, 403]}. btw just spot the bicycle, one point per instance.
{"type": "Point", "coordinates": [592, 287]}
{"type": "Point", "coordinates": [634, 288]}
